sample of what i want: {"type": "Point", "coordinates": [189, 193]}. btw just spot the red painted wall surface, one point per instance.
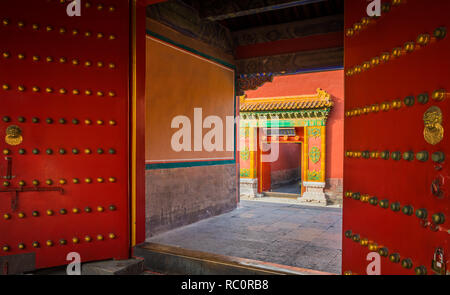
{"type": "Point", "coordinates": [301, 84]}
{"type": "Point", "coordinates": [289, 157]}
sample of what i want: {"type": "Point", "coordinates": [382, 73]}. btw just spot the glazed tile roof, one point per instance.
{"type": "Point", "coordinates": [316, 101]}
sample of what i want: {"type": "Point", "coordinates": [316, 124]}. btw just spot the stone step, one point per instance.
{"type": "Point", "coordinates": [134, 266]}
{"type": "Point", "coordinates": [114, 267]}
{"type": "Point", "coordinates": [179, 261]}
{"type": "Point", "coordinates": [281, 195]}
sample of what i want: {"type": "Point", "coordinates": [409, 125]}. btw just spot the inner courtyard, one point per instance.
{"type": "Point", "coordinates": [277, 232]}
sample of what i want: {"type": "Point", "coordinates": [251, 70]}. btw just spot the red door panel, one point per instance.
{"type": "Point", "coordinates": [265, 174]}
{"type": "Point", "coordinates": [372, 127]}
{"type": "Point", "coordinates": [64, 102]}
{"type": "Point", "coordinates": [264, 178]}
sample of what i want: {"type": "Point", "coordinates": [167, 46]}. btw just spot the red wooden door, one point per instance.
{"type": "Point", "coordinates": [64, 130]}
{"type": "Point", "coordinates": [264, 179]}
{"type": "Point", "coordinates": [396, 173]}
{"type": "Point", "coordinates": [265, 174]}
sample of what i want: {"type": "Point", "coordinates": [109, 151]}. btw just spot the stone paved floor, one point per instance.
{"type": "Point", "coordinates": [291, 188]}
{"type": "Point", "coordinates": [288, 234]}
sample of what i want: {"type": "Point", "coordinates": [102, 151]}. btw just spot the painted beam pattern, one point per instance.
{"type": "Point", "coordinates": [292, 62]}
{"type": "Point", "coordinates": [290, 30]}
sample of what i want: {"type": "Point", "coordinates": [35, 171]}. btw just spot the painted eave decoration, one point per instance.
{"type": "Point", "coordinates": [316, 105]}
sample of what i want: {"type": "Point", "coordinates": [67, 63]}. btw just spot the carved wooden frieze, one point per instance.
{"type": "Point", "coordinates": [185, 19]}
{"type": "Point", "coordinates": [292, 62]}
{"type": "Point", "coordinates": [252, 82]}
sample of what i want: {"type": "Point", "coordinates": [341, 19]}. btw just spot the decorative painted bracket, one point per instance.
{"type": "Point", "coordinates": [252, 82]}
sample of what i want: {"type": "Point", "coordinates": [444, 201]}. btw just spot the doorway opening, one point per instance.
{"type": "Point", "coordinates": [285, 172]}
{"type": "Point", "coordinates": [286, 230]}
{"type": "Point", "coordinates": [296, 80]}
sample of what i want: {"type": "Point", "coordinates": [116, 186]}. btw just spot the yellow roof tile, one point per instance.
{"type": "Point", "coordinates": [319, 100]}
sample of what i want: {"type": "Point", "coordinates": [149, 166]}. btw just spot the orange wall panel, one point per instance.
{"type": "Point", "coordinates": [177, 82]}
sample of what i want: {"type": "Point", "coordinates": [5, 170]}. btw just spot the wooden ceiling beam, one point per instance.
{"type": "Point", "coordinates": [232, 8]}
{"type": "Point", "coordinates": [150, 2]}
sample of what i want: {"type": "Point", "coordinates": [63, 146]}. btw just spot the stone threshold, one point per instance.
{"type": "Point", "coordinates": [288, 200]}
{"type": "Point", "coordinates": [181, 261]}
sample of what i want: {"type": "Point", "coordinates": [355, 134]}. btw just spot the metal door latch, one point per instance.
{"type": "Point", "coordinates": [436, 187]}
{"type": "Point", "coordinates": [16, 190]}
{"type": "Point", "coordinates": [8, 175]}
{"type": "Point", "coordinates": [438, 264]}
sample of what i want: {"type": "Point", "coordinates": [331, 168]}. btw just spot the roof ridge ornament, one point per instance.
{"type": "Point", "coordinates": [320, 100]}
{"type": "Point", "coordinates": [323, 94]}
